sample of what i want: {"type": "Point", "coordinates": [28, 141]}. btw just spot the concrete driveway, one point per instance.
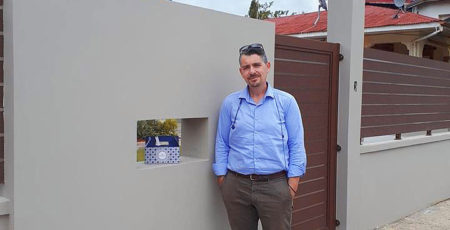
{"type": "Point", "coordinates": [436, 217]}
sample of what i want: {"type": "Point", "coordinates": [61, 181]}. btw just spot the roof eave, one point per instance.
{"type": "Point", "coordinates": [311, 35]}
{"type": "Point", "coordinates": [421, 26]}
{"type": "Point", "coordinates": [375, 30]}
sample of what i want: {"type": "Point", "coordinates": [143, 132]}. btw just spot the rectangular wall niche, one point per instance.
{"type": "Point", "coordinates": [191, 133]}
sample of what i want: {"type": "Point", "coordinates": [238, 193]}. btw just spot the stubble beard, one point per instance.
{"type": "Point", "coordinates": [254, 84]}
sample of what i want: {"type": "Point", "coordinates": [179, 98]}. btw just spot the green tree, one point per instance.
{"type": "Point", "coordinates": [253, 10]}
{"type": "Point", "coordinates": [262, 11]}
{"type": "Point", "coordinates": [153, 128]}
{"type": "Point", "coordinates": [168, 127]}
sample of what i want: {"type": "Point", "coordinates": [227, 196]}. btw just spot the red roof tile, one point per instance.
{"type": "Point", "coordinates": [375, 17]}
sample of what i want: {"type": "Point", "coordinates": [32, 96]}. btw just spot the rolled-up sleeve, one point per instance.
{"type": "Point", "coordinates": [297, 154]}
{"type": "Point", "coordinates": [222, 147]}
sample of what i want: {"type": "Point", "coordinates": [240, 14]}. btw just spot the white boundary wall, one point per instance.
{"type": "Point", "coordinates": [346, 27]}
{"type": "Point", "coordinates": [79, 74]}
{"type": "Point", "coordinates": [404, 176]}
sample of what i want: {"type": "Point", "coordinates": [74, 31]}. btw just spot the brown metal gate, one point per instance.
{"type": "Point", "coordinates": [309, 71]}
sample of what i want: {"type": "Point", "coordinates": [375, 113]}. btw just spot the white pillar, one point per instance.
{"type": "Point", "coordinates": [410, 47]}
{"type": "Point", "coordinates": [415, 48]}
{"type": "Point", "coordinates": [346, 26]}
{"type": "Point", "coordinates": [419, 48]}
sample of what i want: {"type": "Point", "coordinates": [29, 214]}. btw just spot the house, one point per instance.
{"type": "Point", "coordinates": [385, 29]}
{"type": "Point", "coordinates": [434, 8]}
{"type": "Point", "coordinates": [386, 3]}
{"type": "Point", "coordinates": [431, 8]}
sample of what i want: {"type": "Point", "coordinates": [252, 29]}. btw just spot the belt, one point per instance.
{"type": "Point", "coordinates": [260, 178]}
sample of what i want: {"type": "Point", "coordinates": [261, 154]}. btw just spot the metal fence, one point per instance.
{"type": "Point", "coordinates": [403, 94]}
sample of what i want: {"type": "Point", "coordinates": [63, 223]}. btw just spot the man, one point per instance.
{"type": "Point", "coordinates": [260, 154]}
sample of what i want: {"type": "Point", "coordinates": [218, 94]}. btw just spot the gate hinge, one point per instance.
{"type": "Point", "coordinates": [338, 148]}
{"type": "Point", "coordinates": [338, 223]}
{"type": "Point", "coordinates": [341, 57]}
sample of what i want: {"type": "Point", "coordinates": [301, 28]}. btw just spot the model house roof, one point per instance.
{"type": "Point", "coordinates": [375, 17]}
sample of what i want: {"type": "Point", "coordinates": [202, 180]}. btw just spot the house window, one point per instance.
{"type": "Point", "coordinates": [428, 51]}
{"type": "Point", "coordinates": [385, 46]}
{"type": "Point", "coordinates": [446, 59]}
{"type": "Point", "coordinates": [392, 47]}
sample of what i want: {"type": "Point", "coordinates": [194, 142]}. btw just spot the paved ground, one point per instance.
{"type": "Point", "coordinates": [436, 217]}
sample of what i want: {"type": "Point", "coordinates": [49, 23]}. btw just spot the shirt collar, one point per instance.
{"type": "Point", "coordinates": [244, 94]}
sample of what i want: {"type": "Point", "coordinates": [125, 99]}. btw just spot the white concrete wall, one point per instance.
{"type": "Point", "coordinates": [4, 222]}
{"type": "Point", "coordinates": [434, 9]}
{"type": "Point", "coordinates": [401, 177]}
{"type": "Point", "coordinates": [81, 73]}
{"type": "Point", "coordinates": [7, 189]}
{"type": "Point", "coordinates": [347, 29]}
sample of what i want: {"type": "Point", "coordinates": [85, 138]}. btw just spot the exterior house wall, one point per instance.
{"type": "Point", "coordinates": [370, 40]}
{"type": "Point", "coordinates": [440, 52]}
{"type": "Point", "coordinates": [403, 44]}
{"type": "Point", "coordinates": [80, 74]}
{"type": "Point", "coordinates": [434, 9]}
{"type": "Point", "coordinates": [401, 177]}
{"type": "Point", "coordinates": [401, 48]}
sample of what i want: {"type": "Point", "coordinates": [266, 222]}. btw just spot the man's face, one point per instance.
{"type": "Point", "coordinates": [253, 70]}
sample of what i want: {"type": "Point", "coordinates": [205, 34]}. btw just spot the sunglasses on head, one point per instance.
{"type": "Point", "coordinates": [246, 48]}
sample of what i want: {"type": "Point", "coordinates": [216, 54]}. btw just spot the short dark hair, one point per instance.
{"type": "Point", "coordinates": [250, 51]}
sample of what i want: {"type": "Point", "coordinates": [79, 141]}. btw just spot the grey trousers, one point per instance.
{"type": "Point", "coordinates": [247, 201]}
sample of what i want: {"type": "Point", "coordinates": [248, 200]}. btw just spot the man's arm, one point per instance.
{"type": "Point", "coordinates": [296, 147]}
{"type": "Point", "coordinates": [222, 147]}
{"type": "Point", "coordinates": [293, 185]}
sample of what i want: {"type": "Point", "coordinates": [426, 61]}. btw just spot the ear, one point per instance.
{"type": "Point", "coordinates": [268, 66]}
{"type": "Point", "coordinates": [241, 71]}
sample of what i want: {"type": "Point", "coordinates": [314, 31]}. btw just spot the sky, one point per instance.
{"type": "Point", "coordinates": [240, 7]}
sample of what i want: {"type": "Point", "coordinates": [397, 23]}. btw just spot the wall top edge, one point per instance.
{"type": "Point", "coordinates": [406, 142]}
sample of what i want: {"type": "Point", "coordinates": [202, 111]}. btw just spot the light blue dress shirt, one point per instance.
{"type": "Point", "coordinates": [261, 138]}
